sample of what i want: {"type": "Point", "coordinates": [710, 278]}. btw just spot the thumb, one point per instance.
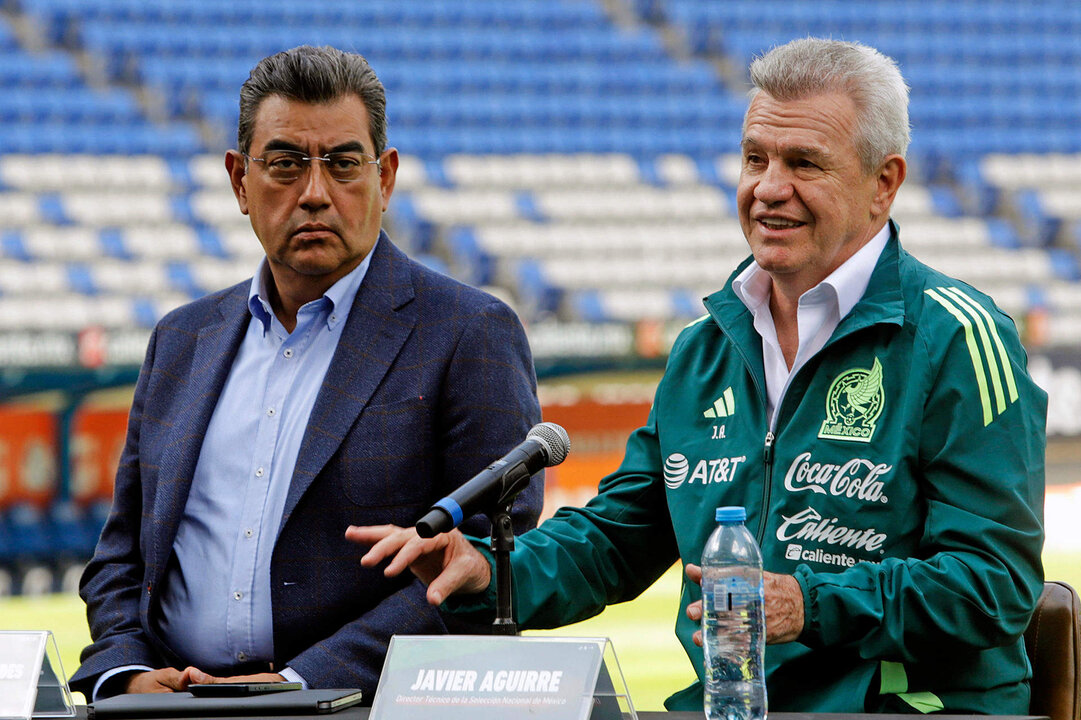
{"type": "Point", "coordinates": [198, 677]}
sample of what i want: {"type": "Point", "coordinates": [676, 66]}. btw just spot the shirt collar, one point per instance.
{"type": "Point", "coordinates": [338, 298]}
{"type": "Point", "coordinates": [848, 282]}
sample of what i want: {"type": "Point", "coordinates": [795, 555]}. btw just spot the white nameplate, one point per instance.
{"type": "Point", "coordinates": [29, 687]}
{"type": "Point", "coordinates": [484, 677]}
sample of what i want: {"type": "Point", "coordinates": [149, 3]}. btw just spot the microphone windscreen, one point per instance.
{"type": "Point", "coordinates": [554, 439]}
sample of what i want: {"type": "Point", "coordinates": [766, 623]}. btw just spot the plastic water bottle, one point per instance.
{"type": "Point", "coordinates": [733, 621]}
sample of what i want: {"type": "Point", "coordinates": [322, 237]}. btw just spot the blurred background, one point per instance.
{"type": "Point", "coordinates": [578, 158]}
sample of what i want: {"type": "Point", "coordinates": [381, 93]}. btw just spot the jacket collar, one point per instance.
{"type": "Point", "coordinates": [882, 303]}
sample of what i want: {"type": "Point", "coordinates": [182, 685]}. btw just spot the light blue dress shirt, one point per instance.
{"type": "Point", "coordinates": [215, 599]}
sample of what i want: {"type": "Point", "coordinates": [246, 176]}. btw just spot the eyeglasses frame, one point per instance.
{"type": "Point", "coordinates": [306, 161]}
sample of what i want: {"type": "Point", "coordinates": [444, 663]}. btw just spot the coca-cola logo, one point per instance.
{"type": "Point", "coordinates": [857, 478]}
{"type": "Point", "coordinates": [809, 525]}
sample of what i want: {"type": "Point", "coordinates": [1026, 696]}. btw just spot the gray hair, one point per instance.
{"type": "Point", "coordinates": [313, 75]}
{"type": "Point", "coordinates": [812, 66]}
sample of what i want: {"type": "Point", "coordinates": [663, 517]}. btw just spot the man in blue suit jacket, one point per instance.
{"type": "Point", "coordinates": [344, 385]}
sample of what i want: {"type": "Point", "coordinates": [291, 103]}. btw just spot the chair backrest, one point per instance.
{"type": "Point", "coordinates": [1053, 643]}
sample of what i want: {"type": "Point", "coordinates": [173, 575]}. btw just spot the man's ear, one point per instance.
{"type": "Point", "coordinates": [388, 172]}
{"type": "Point", "coordinates": [238, 173]}
{"type": "Point", "coordinates": [891, 174]}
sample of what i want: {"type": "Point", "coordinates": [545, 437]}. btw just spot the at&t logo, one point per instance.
{"type": "Point", "coordinates": [677, 470]}
{"type": "Point", "coordinates": [676, 467]}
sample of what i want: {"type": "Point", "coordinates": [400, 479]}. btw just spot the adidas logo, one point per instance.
{"type": "Point", "coordinates": [724, 406]}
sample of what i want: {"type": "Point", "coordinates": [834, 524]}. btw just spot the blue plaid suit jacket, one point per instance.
{"type": "Point", "coordinates": [431, 381]}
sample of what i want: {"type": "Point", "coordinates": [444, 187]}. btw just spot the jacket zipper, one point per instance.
{"type": "Point", "coordinates": [767, 458]}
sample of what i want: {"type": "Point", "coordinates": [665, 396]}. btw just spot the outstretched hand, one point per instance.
{"type": "Point", "coordinates": [446, 563]}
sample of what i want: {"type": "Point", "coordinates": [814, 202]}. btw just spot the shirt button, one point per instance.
{"type": "Point", "coordinates": [237, 595]}
{"type": "Point", "coordinates": [259, 472]}
{"type": "Point", "coordinates": [270, 412]}
{"type": "Point", "coordinates": [248, 532]}
{"type": "Point", "coordinates": [242, 657]}
{"type": "Point", "coordinates": [334, 318]}
{"type": "Point", "coordinates": [288, 352]}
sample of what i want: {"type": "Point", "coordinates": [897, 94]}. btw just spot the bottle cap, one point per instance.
{"type": "Point", "coordinates": [731, 513]}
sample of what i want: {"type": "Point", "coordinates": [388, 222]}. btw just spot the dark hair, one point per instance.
{"type": "Point", "coordinates": [313, 75]}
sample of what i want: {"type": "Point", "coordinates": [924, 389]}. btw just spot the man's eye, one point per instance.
{"type": "Point", "coordinates": [344, 162]}
{"type": "Point", "coordinates": [284, 163]}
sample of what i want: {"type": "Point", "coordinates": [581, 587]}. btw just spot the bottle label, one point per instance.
{"type": "Point", "coordinates": [734, 593]}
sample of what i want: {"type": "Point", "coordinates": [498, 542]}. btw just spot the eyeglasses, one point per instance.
{"type": "Point", "coordinates": [286, 166]}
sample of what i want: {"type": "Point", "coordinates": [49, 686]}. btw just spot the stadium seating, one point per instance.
{"type": "Point", "coordinates": [568, 127]}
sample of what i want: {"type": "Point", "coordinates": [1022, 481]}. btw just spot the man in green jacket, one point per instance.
{"type": "Point", "coordinates": [875, 417]}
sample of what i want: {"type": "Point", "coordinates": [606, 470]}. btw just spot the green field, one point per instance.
{"type": "Point", "coordinates": [641, 631]}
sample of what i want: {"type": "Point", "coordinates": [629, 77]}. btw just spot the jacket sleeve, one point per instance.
{"type": "Point", "coordinates": [977, 573]}
{"type": "Point", "coordinates": [353, 656]}
{"type": "Point", "coordinates": [112, 584]}
{"type": "Point", "coordinates": [488, 405]}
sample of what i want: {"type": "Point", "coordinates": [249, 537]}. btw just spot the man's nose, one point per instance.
{"type": "Point", "coordinates": [774, 184]}
{"type": "Point", "coordinates": [316, 187]}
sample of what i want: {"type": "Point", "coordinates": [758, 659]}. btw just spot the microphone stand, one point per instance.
{"type": "Point", "coordinates": [502, 544]}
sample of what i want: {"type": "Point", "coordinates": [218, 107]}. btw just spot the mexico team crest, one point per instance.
{"type": "Point", "coordinates": [853, 404]}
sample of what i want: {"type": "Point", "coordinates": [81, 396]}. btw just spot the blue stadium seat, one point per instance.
{"type": "Point", "coordinates": [71, 536]}
{"type": "Point", "coordinates": [51, 70]}
{"type": "Point", "coordinates": [28, 534]}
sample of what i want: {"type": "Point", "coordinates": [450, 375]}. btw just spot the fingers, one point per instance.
{"type": "Point", "coordinates": [385, 540]}
{"type": "Point", "coordinates": [463, 569]}
{"type": "Point", "coordinates": [438, 592]}
{"type": "Point", "coordinates": [450, 582]}
{"type": "Point", "coordinates": [256, 678]}
{"type": "Point", "coordinates": [447, 563]}
{"type": "Point", "coordinates": [694, 611]}
{"type": "Point", "coordinates": [459, 576]}
{"type": "Point", "coordinates": [162, 680]}
{"type": "Point", "coordinates": [195, 676]}
{"type": "Point", "coordinates": [170, 679]}
{"type": "Point", "coordinates": [402, 545]}
{"type": "Point", "coordinates": [369, 534]}
{"type": "Point", "coordinates": [424, 557]}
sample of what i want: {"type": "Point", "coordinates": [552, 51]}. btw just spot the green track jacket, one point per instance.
{"type": "Point", "coordinates": [902, 486]}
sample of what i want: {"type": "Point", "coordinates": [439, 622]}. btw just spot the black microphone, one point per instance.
{"type": "Point", "coordinates": [547, 444]}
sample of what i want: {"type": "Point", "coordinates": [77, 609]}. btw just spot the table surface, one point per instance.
{"type": "Point", "coordinates": [361, 713]}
